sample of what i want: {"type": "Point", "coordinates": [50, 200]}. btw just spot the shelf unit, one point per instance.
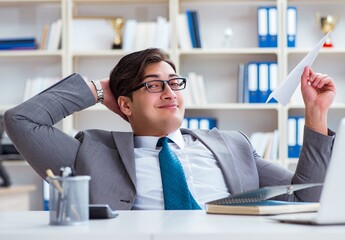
{"type": "Point", "coordinates": [218, 64]}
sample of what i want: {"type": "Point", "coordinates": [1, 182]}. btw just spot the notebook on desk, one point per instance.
{"type": "Point", "coordinates": [332, 201]}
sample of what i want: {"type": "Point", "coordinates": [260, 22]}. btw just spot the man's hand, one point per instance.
{"type": "Point", "coordinates": [109, 99]}
{"type": "Point", "coordinates": [318, 92]}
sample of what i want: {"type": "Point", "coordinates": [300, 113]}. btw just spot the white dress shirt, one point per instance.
{"type": "Point", "coordinates": [204, 177]}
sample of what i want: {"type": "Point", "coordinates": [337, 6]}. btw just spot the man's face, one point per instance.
{"type": "Point", "coordinates": [156, 114]}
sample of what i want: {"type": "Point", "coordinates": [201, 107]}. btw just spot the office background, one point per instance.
{"type": "Point", "coordinates": [66, 36]}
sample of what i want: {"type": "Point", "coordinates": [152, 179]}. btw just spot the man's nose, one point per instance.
{"type": "Point", "coordinates": [168, 90]}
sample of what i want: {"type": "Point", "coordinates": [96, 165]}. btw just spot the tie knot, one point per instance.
{"type": "Point", "coordinates": [162, 141]}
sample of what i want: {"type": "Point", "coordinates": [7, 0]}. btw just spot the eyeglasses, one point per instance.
{"type": "Point", "coordinates": [157, 86]}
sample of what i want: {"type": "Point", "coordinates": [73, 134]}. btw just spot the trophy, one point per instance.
{"type": "Point", "coordinates": [118, 24]}
{"type": "Point", "coordinates": [327, 24]}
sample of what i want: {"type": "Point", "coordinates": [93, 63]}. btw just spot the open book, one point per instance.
{"type": "Point", "coordinates": [257, 202]}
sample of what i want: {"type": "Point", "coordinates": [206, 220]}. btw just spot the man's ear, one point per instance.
{"type": "Point", "coordinates": [125, 104]}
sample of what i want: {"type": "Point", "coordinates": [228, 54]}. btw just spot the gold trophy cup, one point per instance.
{"type": "Point", "coordinates": [118, 24]}
{"type": "Point", "coordinates": [327, 24]}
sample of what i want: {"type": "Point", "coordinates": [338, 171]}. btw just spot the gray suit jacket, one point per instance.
{"type": "Point", "coordinates": [108, 157]}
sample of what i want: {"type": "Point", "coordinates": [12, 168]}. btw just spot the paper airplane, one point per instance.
{"type": "Point", "coordinates": [286, 89]}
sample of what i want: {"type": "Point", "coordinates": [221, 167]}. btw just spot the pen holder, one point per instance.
{"type": "Point", "coordinates": [69, 200]}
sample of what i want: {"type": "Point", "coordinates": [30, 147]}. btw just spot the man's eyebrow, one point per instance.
{"type": "Point", "coordinates": [156, 76]}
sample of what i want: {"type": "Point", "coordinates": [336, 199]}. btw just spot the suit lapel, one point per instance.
{"type": "Point", "coordinates": [125, 145]}
{"type": "Point", "coordinates": [214, 141]}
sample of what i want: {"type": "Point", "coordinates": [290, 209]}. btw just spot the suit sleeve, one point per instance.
{"type": "Point", "coordinates": [30, 125]}
{"type": "Point", "coordinates": [312, 166]}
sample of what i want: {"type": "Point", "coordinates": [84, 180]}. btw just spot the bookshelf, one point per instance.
{"type": "Point", "coordinates": [218, 63]}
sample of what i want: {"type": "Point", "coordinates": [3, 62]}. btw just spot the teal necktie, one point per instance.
{"type": "Point", "coordinates": [175, 188]}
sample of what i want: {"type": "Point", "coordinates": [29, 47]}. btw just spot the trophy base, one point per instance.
{"type": "Point", "coordinates": [116, 46]}
{"type": "Point", "coordinates": [327, 45]}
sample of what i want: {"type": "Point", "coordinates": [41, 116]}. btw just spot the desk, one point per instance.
{"type": "Point", "coordinates": [15, 197]}
{"type": "Point", "coordinates": [162, 225]}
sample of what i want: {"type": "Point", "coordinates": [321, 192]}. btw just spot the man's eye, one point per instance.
{"type": "Point", "coordinates": [174, 84]}
{"type": "Point", "coordinates": [153, 85]}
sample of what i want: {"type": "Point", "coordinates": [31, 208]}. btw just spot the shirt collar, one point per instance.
{"type": "Point", "coordinates": [151, 141]}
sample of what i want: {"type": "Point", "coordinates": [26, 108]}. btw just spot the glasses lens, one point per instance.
{"type": "Point", "coordinates": [177, 84]}
{"type": "Point", "coordinates": [155, 86]}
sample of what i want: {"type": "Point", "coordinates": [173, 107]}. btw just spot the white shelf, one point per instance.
{"type": "Point", "coordinates": [227, 51]}
{"type": "Point", "coordinates": [32, 53]}
{"type": "Point", "coordinates": [323, 51]}
{"type": "Point", "coordinates": [28, 1]}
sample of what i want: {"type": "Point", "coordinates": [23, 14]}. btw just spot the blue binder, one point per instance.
{"type": "Point", "coordinates": [295, 135]}
{"type": "Point", "coordinates": [263, 81]}
{"type": "Point", "coordinates": [272, 19]}
{"type": "Point", "coordinates": [272, 79]}
{"type": "Point", "coordinates": [253, 82]}
{"type": "Point", "coordinates": [262, 27]}
{"type": "Point", "coordinates": [201, 122]}
{"type": "Point", "coordinates": [291, 27]}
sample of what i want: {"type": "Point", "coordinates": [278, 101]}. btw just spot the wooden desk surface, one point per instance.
{"type": "Point", "coordinates": [15, 189]}
{"type": "Point", "coordinates": [162, 225]}
{"type": "Point", "coordinates": [15, 197]}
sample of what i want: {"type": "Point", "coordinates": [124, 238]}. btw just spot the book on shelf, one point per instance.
{"type": "Point", "coordinates": [128, 36]}
{"type": "Point", "coordinates": [184, 38]}
{"type": "Point", "coordinates": [256, 81]}
{"type": "Point", "coordinates": [241, 88]}
{"type": "Point", "coordinates": [199, 123]}
{"type": "Point", "coordinates": [295, 135]}
{"type": "Point", "coordinates": [274, 150]}
{"type": "Point", "coordinates": [267, 26]}
{"type": "Point", "coordinates": [267, 20]}
{"type": "Point", "coordinates": [195, 90]}
{"type": "Point", "coordinates": [259, 202]}
{"type": "Point", "coordinates": [266, 144]}
{"type": "Point", "coordinates": [21, 43]}
{"type": "Point", "coordinates": [92, 34]}
{"type": "Point", "coordinates": [262, 27]}
{"type": "Point", "coordinates": [51, 36]}
{"type": "Point", "coordinates": [55, 33]}
{"type": "Point", "coordinates": [141, 35]}
{"type": "Point", "coordinates": [44, 36]}
{"type": "Point", "coordinates": [272, 27]}
{"type": "Point", "coordinates": [194, 28]}
{"type": "Point", "coordinates": [17, 40]}
{"type": "Point", "coordinates": [163, 31]}
{"type": "Point", "coordinates": [291, 26]}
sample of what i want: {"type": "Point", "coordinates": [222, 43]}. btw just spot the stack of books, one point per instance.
{"type": "Point", "coordinates": [51, 36]}
{"type": "Point", "coordinates": [27, 43]}
{"type": "Point", "coordinates": [195, 92]}
{"type": "Point", "coordinates": [188, 29]}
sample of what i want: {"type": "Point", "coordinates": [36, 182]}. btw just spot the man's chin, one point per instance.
{"type": "Point", "coordinates": [171, 125]}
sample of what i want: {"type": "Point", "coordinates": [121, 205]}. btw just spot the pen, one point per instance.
{"type": "Point", "coordinates": [61, 204]}
{"type": "Point", "coordinates": [56, 184]}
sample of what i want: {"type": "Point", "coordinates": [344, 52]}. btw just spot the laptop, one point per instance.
{"type": "Point", "coordinates": [332, 201]}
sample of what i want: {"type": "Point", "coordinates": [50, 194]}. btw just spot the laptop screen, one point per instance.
{"type": "Point", "coordinates": [332, 202]}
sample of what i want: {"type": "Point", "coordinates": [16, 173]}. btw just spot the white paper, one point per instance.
{"type": "Point", "coordinates": [286, 89]}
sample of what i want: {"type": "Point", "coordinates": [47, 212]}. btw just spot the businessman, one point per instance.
{"type": "Point", "coordinates": [125, 167]}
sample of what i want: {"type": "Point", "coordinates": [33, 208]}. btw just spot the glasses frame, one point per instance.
{"type": "Point", "coordinates": [164, 82]}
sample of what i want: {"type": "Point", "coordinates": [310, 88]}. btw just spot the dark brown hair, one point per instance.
{"type": "Point", "coordinates": [129, 71]}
